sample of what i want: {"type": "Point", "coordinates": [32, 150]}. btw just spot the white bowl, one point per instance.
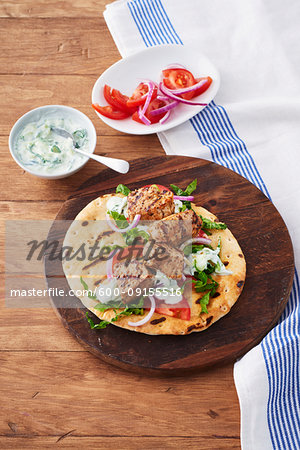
{"type": "Point", "coordinates": [127, 73]}
{"type": "Point", "coordinates": [49, 110]}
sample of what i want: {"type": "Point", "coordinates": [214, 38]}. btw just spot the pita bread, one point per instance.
{"type": "Point", "coordinates": [85, 228]}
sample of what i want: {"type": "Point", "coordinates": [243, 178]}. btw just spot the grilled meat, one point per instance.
{"type": "Point", "coordinates": [176, 228]}
{"type": "Point", "coordinates": [132, 276]}
{"type": "Point", "coordinates": [162, 257]}
{"type": "Point", "coordinates": [151, 202]}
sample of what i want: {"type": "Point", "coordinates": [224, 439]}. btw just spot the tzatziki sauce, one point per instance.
{"type": "Point", "coordinates": [44, 151]}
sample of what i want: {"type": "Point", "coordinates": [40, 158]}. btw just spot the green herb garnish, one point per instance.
{"type": "Point", "coordinates": [203, 302]}
{"type": "Point", "coordinates": [209, 225]}
{"type": "Point", "coordinates": [86, 288]}
{"type": "Point", "coordinates": [96, 326]}
{"type": "Point", "coordinates": [188, 191]}
{"type": "Point", "coordinates": [120, 219]}
{"type": "Point", "coordinates": [128, 311]}
{"type": "Point", "coordinates": [122, 189]}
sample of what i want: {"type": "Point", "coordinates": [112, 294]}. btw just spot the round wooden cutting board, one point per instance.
{"type": "Point", "coordinates": [262, 235]}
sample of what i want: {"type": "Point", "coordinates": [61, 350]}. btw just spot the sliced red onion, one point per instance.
{"type": "Point", "coordinates": [141, 112]}
{"type": "Point", "coordinates": [123, 230]}
{"type": "Point", "coordinates": [169, 93]}
{"type": "Point", "coordinates": [169, 105]}
{"type": "Point", "coordinates": [165, 118]}
{"type": "Point", "coordinates": [147, 317]}
{"type": "Point", "coordinates": [192, 88]}
{"type": "Point", "coordinates": [188, 198]}
{"type": "Point", "coordinates": [109, 266]}
{"type": "Point", "coordinates": [143, 118]}
{"type": "Point", "coordinates": [196, 240]}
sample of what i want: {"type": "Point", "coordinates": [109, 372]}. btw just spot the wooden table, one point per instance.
{"type": "Point", "coordinates": [51, 389]}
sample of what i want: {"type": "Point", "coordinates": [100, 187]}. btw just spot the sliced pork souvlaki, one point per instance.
{"type": "Point", "coordinates": [150, 202]}
{"type": "Point", "coordinates": [163, 257]}
{"type": "Point", "coordinates": [133, 279]}
{"type": "Point", "coordinates": [176, 228]}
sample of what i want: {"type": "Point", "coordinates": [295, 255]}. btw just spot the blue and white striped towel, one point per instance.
{"type": "Point", "coordinates": [253, 128]}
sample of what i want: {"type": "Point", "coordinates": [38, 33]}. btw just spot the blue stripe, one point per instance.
{"type": "Point", "coordinates": [211, 141]}
{"type": "Point", "coordinates": [149, 24]}
{"type": "Point", "coordinates": [159, 29]}
{"type": "Point", "coordinates": [215, 131]}
{"type": "Point", "coordinates": [138, 24]}
{"type": "Point", "coordinates": [167, 22]}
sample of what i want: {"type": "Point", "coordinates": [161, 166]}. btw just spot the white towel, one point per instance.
{"type": "Point", "coordinates": [252, 127]}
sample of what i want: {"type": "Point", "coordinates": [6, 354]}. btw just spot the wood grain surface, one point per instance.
{"type": "Point", "coordinates": [253, 220]}
{"type": "Point", "coordinates": [51, 390]}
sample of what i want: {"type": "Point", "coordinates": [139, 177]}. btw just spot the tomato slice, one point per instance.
{"type": "Point", "coordinates": [154, 104]}
{"type": "Point", "coordinates": [202, 234]}
{"type": "Point", "coordinates": [110, 111]}
{"type": "Point", "coordinates": [182, 310]}
{"type": "Point", "coordinates": [116, 99]}
{"type": "Point", "coordinates": [179, 79]}
{"type": "Point", "coordinates": [137, 97]}
{"type": "Point", "coordinates": [204, 87]}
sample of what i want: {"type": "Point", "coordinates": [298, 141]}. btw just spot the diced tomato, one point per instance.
{"type": "Point", "coordinates": [116, 99]}
{"type": "Point", "coordinates": [204, 87]}
{"type": "Point", "coordinates": [160, 187]}
{"type": "Point", "coordinates": [154, 104]}
{"type": "Point", "coordinates": [137, 97]}
{"type": "Point", "coordinates": [110, 111]}
{"type": "Point", "coordinates": [182, 310]}
{"type": "Point", "coordinates": [179, 79]}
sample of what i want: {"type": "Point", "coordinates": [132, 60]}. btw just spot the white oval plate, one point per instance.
{"type": "Point", "coordinates": [126, 74]}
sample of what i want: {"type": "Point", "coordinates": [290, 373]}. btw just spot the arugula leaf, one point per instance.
{"type": "Point", "coordinates": [183, 208]}
{"type": "Point", "coordinates": [135, 233]}
{"type": "Point", "coordinates": [96, 326]}
{"type": "Point", "coordinates": [122, 189]}
{"type": "Point", "coordinates": [104, 323]}
{"type": "Point", "coordinates": [191, 187]}
{"type": "Point", "coordinates": [203, 302]}
{"type": "Point", "coordinates": [204, 282]}
{"type": "Point", "coordinates": [188, 190]}
{"type": "Point", "coordinates": [176, 189]}
{"type": "Point", "coordinates": [209, 225]}
{"type": "Point", "coordinates": [120, 219]}
{"type": "Point", "coordinates": [86, 288]}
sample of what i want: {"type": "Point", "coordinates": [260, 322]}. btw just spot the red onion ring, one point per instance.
{"type": "Point", "coordinates": [142, 110]}
{"type": "Point", "coordinates": [192, 88]}
{"type": "Point", "coordinates": [188, 198]}
{"type": "Point", "coordinates": [143, 118]}
{"type": "Point", "coordinates": [196, 240]}
{"type": "Point", "coordinates": [169, 93]}
{"type": "Point", "coordinates": [169, 105]}
{"type": "Point", "coordinates": [109, 268]}
{"type": "Point", "coordinates": [123, 230]}
{"type": "Point", "coordinates": [165, 118]}
{"type": "Point", "coordinates": [147, 317]}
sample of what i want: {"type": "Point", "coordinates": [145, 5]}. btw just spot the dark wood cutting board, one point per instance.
{"type": "Point", "coordinates": [262, 235]}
